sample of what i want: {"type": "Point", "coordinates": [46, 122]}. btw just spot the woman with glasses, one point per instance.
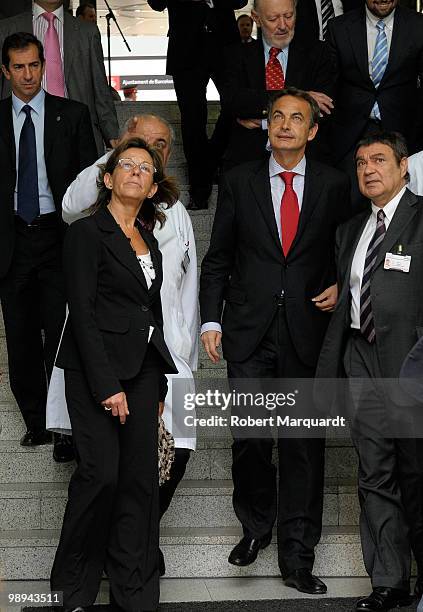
{"type": "Point", "coordinates": [115, 359]}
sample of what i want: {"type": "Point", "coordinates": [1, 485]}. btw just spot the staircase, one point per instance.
{"type": "Point", "coordinates": [200, 527]}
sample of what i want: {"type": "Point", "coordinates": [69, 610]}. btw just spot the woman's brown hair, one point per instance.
{"type": "Point", "coordinates": [167, 192]}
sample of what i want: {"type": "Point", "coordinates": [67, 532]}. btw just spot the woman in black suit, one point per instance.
{"type": "Point", "coordinates": [115, 358]}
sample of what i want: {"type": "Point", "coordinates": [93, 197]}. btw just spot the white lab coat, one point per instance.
{"type": "Point", "coordinates": [179, 294]}
{"type": "Point", "coordinates": [415, 169]}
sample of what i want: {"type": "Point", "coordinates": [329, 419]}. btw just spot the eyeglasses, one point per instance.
{"type": "Point", "coordinates": [129, 164]}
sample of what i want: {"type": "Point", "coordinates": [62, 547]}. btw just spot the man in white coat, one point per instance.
{"type": "Point", "coordinates": [179, 294]}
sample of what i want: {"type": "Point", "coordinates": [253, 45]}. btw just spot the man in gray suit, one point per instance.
{"type": "Point", "coordinates": [82, 60]}
{"type": "Point", "coordinates": [375, 324]}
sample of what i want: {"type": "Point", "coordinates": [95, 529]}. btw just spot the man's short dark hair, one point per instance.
{"type": "Point", "coordinates": [245, 15]}
{"type": "Point", "coordinates": [20, 40]}
{"type": "Point", "coordinates": [82, 8]}
{"type": "Point", "coordinates": [394, 140]}
{"type": "Point", "coordinates": [295, 93]}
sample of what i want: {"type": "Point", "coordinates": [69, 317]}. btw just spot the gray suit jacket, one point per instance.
{"type": "Point", "coordinates": [85, 76]}
{"type": "Point", "coordinates": [397, 297]}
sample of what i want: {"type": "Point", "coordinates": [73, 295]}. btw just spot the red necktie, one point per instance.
{"type": "Point", "coordinates": [275, 78]}
{"type": "Point", "coordinates": [290, 212]}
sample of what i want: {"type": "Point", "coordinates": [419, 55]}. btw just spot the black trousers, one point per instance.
{"type": "Point", "coordinates": [177, 471]}
{"type": "Point", "coordinates": [203, 155]}
{"type": "Point", "coordinates": [390, 475]}
{"type": "Point", "coordinates": [298, 505]}
{"type": "Point", "coordinates": [32, 299]}
{"type": "Point", "coordinates": [111, 520]}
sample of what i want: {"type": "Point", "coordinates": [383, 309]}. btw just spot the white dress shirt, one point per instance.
{"type": "Point", "coordinates": [37, 115]}
{"type": "Point", "coordinates": [277, 187]}
{"type": "Point", "coordinates": [357, 266]}
{"type": "Point", "coordinates": [39, 29]}
{"type": "Point", "coordinates": [338, 10]}
{"type": "Point", "coordinates": [415, 170]}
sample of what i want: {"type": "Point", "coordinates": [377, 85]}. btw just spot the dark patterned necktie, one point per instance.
{"type": "Point", "coordinates": [327, 13]}
{"type": "Point", "coordinates": [275, 78]}
{"type": "Point", "coordinates": [367, 324]}
{"type": "Point", "coordinates": [28, 198]}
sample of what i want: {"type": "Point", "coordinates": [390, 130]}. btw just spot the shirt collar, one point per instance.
{"type": "Point", "coordinates": [267, 48]}
{"type": "Point", "coordinates": [389, 208]}
{"type": "Point", "coordinates": [374, 20]}
{"type": "Point", "coordinates": [275, 168]}
{"type": "Point", "coordinates": [37, 11]}
{"type": "Point", "coordinates": [36, 103]}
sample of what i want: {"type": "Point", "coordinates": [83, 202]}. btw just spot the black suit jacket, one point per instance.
{"type": "Point", "coordinates": [246, 267]}
{"type": "Point", "coordinates": [69, 147]}
{"type": "Point", "coordinates": [307, 22]}
{"type": "Point", "coordinates": [244, 92]}
{"type": "Point", "coordinates": [397, 297]}
{"type": "Point", "coordinates": [399, 94]}
{"type": "Point", "coordinates": [110, 306]}
{"type": "Point", "coordinates": [196, 31]}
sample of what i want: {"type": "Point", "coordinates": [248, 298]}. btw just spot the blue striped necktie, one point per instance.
{"type": "Point", "coordinates": [380, 59]}
{"type": "Point", "coordinates": [367, 324]}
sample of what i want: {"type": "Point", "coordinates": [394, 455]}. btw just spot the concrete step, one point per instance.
{"type": "Point", "coordinates": [207, 214]}
{"type": "Point", "coordinates": [212, 461]}
{"type": "Point", "coordinates": [192, 552]}
{"type": "Point", "coordinates": [196, 504]}
{"type": "Point", "coordinates": [168, 110]}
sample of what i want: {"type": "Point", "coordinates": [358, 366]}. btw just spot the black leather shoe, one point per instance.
{"type": "Point", "coordinates": [63, 448]}
{"type": "Point", "coordinates": [36, 438]}
{"type": "Point", "coordinates": [197, 204]}
{"type": "Point", "coordinates": [162, 566]}
{"type": "Point", "coordinates": [418, 587]}
{"type": "Point", "coordinates": [383, 598]}
{"type": "Point", "coordinates": [304, 581]}
{"type": "Point", "coordinates": [247, 549]}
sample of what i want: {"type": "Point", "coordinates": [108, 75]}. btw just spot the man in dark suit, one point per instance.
{"type": "Point", "coordinates": [313, 16]}
{"type": "Point", "coordinates": [250, 75]}
{"type": "Point", "coordinates": [378, 52]}
{"type": "Point", "coordinates": [274, 267]}
{"type": "Point", "coordinates": [81, 62]}
{"type": "Point", "coordinates": [44, 142]}
{"type": "Point", "coordinates": [375, 324]}
{"type": "Point", "coordinates": [198, 32]}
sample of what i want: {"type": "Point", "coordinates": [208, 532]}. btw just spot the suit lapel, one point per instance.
{"type": "Point", "coordinates": [260, 186]}
{"type": "Point", "coordinates": [70, 39]}
{"type": "Point", "coordinates": [398, 44]}
{"type": "Point", "coordinates": [255, 64]}
{"type": "Point", "coordinates": [297, 64]}
{"type": "Point", "coordinates": [311, 195]}
{"type": "Point", "coordinates": [402, 217]}
{"type": "Point", "coordinates": [357, 225]}
{"type": "Point", "coordinates": [150, 242]}
{"type": "Point", "coordinates": [52, 119]}
{"type": "Point", "coordinates": [119, 245]}
{"type": "Point", "coordinates": [358, 39]}
{"type": "Point", "coordinates": [7, 133]}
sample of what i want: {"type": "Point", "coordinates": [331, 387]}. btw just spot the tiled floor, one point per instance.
{"type": "Point", "coordinates": [200, 589]}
